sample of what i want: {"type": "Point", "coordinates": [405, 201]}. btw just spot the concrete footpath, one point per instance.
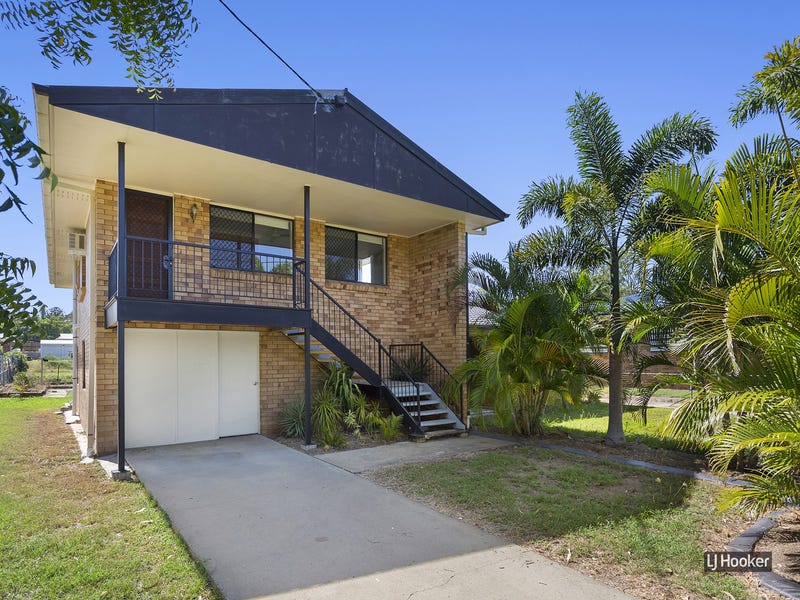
{"type": "Point", "coordinates": [269, 521]}
{"type": "Point", "coordinates": [369, 459]}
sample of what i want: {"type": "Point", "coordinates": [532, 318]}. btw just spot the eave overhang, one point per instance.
{"type": "Point", "coordinates": [254, 149]}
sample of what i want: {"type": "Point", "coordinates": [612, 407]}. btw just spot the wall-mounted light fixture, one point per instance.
{"type": "Point", "coordinates": [193, 212]}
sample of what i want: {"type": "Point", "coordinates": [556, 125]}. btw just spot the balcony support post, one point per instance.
{"type": "Point", "coordinates": [307, 296]}
{"type": "Point", "coordinates": [121, 472]}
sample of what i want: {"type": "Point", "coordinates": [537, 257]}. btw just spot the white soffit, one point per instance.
{"type": "Point", "coordinates": [68, 209]}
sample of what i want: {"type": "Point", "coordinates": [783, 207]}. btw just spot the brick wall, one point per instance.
{"type": "Point", "coordinates": [413, 306]}
{"type": "Point", "coordinates": [104, 348]}
{"type": "Point", "coordinates": [438, 318]}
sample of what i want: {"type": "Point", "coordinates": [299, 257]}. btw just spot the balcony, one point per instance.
{"type": "Point", "coordinates": [185, 282]}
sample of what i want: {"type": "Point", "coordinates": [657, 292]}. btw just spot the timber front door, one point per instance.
{"type": "Point", "coordinates": [148, 219]}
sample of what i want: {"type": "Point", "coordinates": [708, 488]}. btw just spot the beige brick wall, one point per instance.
{"type": "Point", "coordinates": [414, 305]}
{"type": "Point", "coordinates": [105, 340]}
{"type": "Point", "coordinates": [438, 318]}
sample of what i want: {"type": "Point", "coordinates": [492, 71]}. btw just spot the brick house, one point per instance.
{"type": "Point", "coordinates": [199, 310]}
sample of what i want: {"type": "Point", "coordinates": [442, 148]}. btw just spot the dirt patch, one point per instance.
{"type": "Point", "coordinates": [783, 541]}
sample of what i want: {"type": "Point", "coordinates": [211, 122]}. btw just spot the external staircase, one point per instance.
{"type": "Point", "coordinates": [338, 338]}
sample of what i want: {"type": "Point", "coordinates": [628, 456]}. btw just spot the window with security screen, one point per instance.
{"type": "Point", "coordinates": [250, 242]}
{"type": "Point", "coordinates": [354, 256]}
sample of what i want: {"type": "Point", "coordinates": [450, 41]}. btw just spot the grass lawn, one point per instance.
{"type": "Point", "coordinates": [66, 531]}
{"type": "Point", "coordinates": [642, 532]}
{"type": "Point", "coordinates": [591, 419]}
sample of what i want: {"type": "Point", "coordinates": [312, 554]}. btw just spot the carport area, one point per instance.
{"type": "Point", "coordinates": [266, 519]}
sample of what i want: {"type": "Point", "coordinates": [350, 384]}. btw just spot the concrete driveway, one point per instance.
{"type": "Point", "coordinates": [268, 520]}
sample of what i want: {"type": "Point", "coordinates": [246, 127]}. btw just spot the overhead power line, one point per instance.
{"type": "Point", "coordinates": [268, 47]}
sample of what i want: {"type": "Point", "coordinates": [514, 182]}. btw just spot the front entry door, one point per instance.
{"type": "Point", "coordinates": [148, 216]}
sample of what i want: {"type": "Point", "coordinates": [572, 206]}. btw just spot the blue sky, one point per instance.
{"type": "Point", "coordinates": [481, 86]}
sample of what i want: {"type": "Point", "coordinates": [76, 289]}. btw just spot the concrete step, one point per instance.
{"type": "Point", "coordinates": [444, 433]}
{"type": "Point", "coordinates": [408, 392]}
{"type": "Point", "coordinates": [430, 413]}
{"type": "Point", "coordinates": [422, 402]}
{"type": "Point", "coordinates": [437, 422]}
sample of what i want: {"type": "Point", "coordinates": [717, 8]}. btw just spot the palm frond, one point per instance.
{"type": "Point", "coordinates": [555, 247]}
{"type": "Point", "coordinates": [668, 141]}
{"type": "Point", "coordinates": [544, 198]}
{"type": "Point", "coordinates": [598, 143]}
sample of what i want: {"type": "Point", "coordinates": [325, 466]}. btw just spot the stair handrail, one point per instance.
{"type": "Point", "coordinates": [379, 348]}
{"type": "Point", "coordinates": [425, 351]}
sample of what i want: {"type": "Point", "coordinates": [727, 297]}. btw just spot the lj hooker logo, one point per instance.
{"type": "Point", "coordinates": [726, 562]}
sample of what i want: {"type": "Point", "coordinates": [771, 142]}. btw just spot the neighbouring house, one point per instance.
{"type": "Point", "coordinates": [30, 348]}
{"type": "Point", "coordinates": [61, 347]}
{"type": "Point", "coordinates": [181, 226]}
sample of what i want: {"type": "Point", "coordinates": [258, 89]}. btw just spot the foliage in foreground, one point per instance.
{"type": "Point", "coordinates": [735, 244]}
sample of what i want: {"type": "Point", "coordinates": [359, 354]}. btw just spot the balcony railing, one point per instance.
{"type": "Point", "coordinates": [186, 272]}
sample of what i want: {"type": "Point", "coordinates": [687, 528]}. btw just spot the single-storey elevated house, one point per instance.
{"type": "Point", "coordinates": [225, 245]}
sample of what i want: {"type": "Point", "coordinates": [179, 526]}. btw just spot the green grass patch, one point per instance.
{"type": "Point", "coordinates": [66, 531]}
{"type": "Point", "coordinates": [647, 525]}
{"type": "Point", "coordinates": [591, 419]}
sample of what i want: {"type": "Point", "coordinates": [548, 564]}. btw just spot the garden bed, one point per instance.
{"type": "Point", "coordinates": [352, 442]}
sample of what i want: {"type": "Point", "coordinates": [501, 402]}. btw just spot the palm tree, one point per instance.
{"type": "Point", "coordinates": [602, 211]}
{"type": "Point", "coordinates": [531, 357]}
{"type": "Point", "coordinates": [745, 337]}
{"type": "Point", "coordinates": [494, 284]}
{"type": "Point", "coordinates": [774, 90]}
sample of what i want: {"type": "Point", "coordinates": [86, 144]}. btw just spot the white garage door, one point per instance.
{"type": "Point", "coordinates": [187, 386]}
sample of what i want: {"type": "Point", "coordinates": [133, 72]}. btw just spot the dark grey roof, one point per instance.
{"type": "Point", "coordinates": [341, 138]}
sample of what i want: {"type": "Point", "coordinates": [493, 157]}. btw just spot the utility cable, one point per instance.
{"type": "Point", "coordinates": [319, 97]}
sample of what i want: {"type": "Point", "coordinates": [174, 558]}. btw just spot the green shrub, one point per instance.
{"type": "Point", "coordinates": [391, 427]}
{"type": "Point", "coordinates": [340, 384]}
{"type": "Point", "coordinates": [293, 419]}
{"type": "Point", "coordinates": [352, 423]}
{"type": "Point", "coordinates": [334, 439]}
{"type": "Point", "coordinates": [326, 414]}
{"type": "Point", "coordinates": [23, 382]}
{"type": "Point", "coordinates": [415, 366]}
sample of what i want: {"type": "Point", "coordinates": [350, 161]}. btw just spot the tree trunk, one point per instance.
{"type": "Point", "coordinates": [615, 435]}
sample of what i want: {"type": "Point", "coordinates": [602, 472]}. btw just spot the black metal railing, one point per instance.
{"type": "Point", "coordinates": [364, 345]}
{"type": "Point", "coordinates": [424, 366]}
{"type": "Point", "coordinates": [113, 269]}
{"type": "Point", "coordinates": [183, 271]}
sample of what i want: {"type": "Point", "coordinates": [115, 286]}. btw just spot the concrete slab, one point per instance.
{"type": "Point", "coordinates": [507, 572]}
{"type": "Point", "coordinates": [368, 459]}
{"type": "Point", "coordinates": [266, 519]}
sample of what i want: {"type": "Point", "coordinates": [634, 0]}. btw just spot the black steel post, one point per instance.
{"type": "Point", "coordinates": [122, 292]}
{"type": "Point", "coordinates": [307, 294]}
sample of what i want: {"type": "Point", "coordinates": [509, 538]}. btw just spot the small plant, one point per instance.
{"type": "Point", "coordinates": [340, 384]}
{"type": "Point", "coordinates": [293, 419]}
{"type": "Point", "coordinates": [352, 423]}
{"type": "Point", "coordinates": [592, 396]}
{"type": "Point", "coordinates": [23, 382]}
{"type": "Point", "coordinates": [326, 413]}
{"type": "Point", "coordinates": [391, 427]}
{"type": "Point", "coordinates": [415, 366]}
{"type": "Point", "coordinates": [334, 439]}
